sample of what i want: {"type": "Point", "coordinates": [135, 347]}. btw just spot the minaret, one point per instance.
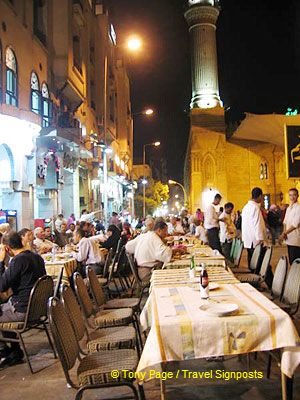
{"type": "Point", "coordinates": [201, 17]}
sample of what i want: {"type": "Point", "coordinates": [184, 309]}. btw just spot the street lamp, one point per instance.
{"type": "Point", "coordinates": [134, 43]}
{"type": "Point", "coordinates": [149, 111]}
{"type": "Point", "coordinates": [155, 144]}
{"type": "Point", "coordinates": [171, 182]}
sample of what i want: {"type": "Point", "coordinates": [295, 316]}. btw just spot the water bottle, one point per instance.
{"type": "Point", "coordinates": [204, 289]}
{"type": "Point", "coordinates": [192, 270]}
{"type": "Point", "coordinates": [53, 251]}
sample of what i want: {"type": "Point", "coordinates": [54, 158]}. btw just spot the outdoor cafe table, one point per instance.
{"type": "Point", "coordinates": [179, 330]}
{"type": "Point", "coordinates": [53, 268]}
{"type": "Point", "coordinates": [203, 254]}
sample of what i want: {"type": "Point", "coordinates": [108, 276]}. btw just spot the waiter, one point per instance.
{"type": "Point", "coordinates": [291, 226]}
{"type": "Point", "coordinates": [212, 224]}
{"type": "Point", "coordinates": [253, 224]}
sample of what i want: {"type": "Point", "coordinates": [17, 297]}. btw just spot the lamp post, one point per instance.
{"type": "Point", "coordinates": [155, 144]}
{"type": "Point", "coordinates": [133, 45]}
{"type": "Point", "coordinates": [171, 182]}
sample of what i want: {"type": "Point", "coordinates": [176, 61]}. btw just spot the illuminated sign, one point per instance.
{"type": "Point", "coordinates": [292, 151]}
{"type": "Point", "coordinates": [113, 35]}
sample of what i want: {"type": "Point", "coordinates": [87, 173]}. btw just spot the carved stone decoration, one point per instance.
{"type": "Point", "coordinates": [209, 169]}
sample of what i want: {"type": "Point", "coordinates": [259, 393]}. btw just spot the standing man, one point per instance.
{"type": "Point", "coordinates": [212, 224]}
{"type": "Point", "coordinates": [253, 224]}
{"type": "Point", "coordinates": [227, 230]}
{"type": "Point", "coordinates": [291, 226]}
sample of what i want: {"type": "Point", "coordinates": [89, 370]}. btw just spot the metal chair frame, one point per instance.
{"type": "Point", "coordinates": [39, 322]}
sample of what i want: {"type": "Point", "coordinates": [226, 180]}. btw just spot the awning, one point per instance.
{"type": "Point", "coordinates": [267, 128]}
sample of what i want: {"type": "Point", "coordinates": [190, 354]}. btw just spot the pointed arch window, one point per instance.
{"type": "Point", "coordinates": [35, 93]}
{"type": "Point", "coordinates": [11, 93]}
{"type": "Point", "coordinates": [263, 171]}
{"type": "Point", "coordinates": [46, 106]}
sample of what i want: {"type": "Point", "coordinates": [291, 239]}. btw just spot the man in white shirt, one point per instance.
{"type": "Point", "coordinates": [227, 229]}
{"type": "Point", "coordinates": [89, 252]}
{"type": "Point", "coordinates": [291, 226]}
{"type": "Point", "coordinates": [200, 233]}
{"type": "Point", "coordinates": [88, 217]}
{"type": "Point", "coordinates": [212, 224]}
{"type": "Point", "coordinates": [149, 249]}
{"type": "Point", "coordinates": [253, 224]}
{"type": "Point", "coordinates": [41, 244]}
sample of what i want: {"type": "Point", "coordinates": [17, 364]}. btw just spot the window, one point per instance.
{"type": "Point", "coordinates": [46, 106]}
{"type": "Point", "coordinates": [40, 20]}
{"type": "Point", "coordinates": [263, 174]}
{"type": "Point", "coordinates": [77, 61]}
{"type": "Point", "coordinates": [35, 93]}
{"type": "Point", "coordinates": [11, 95]}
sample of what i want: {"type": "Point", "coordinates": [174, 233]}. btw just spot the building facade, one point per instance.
{"type": "Point", "coordinates": [65, 114]}
{"type": "Point", "coordinates": [252, 155]}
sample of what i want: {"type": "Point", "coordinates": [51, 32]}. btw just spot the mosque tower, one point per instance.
{"type": "Point", "coordinates": [201, 16]}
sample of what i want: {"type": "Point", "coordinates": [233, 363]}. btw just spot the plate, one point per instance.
{"type": "Point", "coordinates": [220, 309]}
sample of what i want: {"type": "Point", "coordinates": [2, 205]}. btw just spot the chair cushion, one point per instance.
{"type": "Point", "coordinates": [112, 339]}
{"type": "Point", "coordinates": [102, 281]}
{"type": "Point", "coordinates": [109, 318]}
{"type": "Point", "coordinates": [11, 325]}
{"type": "Point", "coordinates": [131, 302]}
{"type": "Point", "coordinates": [249, 278]}
{"type": "Point", "coordinates": [95, 369]}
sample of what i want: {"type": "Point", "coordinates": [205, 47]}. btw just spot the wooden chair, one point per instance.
{"type": "Point", "coordinates": [35, 317]}
{"type": "Point", "coordinates": [98, 339]}
{"type": "Point", "coordinates": [94, 370]}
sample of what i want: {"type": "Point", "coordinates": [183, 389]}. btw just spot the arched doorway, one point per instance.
{"type": "Point", "coordinates": [6, 166]}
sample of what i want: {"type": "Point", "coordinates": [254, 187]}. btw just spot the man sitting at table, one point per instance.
{"type": "Point", "coordinates": [23, 271]}
{"type": "Point", "coordinates": [150, 250]}
{"type": "Point", "coordinates": [42, 245]}
{"type": "Point", "coordinates": [89, 252]}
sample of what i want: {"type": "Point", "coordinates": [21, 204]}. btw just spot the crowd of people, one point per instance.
{"type": "Point", "coordinates": [148, 240]}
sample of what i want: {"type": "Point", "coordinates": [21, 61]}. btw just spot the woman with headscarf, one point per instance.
{"type": "Point", "coordinates": [113, 236]}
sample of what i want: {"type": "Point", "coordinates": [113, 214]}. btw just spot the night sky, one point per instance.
{"type": "Point", "coordinates": [259, 66]}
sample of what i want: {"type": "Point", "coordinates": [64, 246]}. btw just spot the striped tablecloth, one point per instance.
{"type": "Point", "coordinates": [181, 331]}
{"type": "Point", "coordinates": [204, 255]}
{"type": "Point", "coordinates": [180, 277]}
{"type": "Point", "coordinates": [53, 268]}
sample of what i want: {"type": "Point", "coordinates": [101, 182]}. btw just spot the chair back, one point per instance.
{"type": "Point", "coordinates": [232, 250]}
{"type": "Point", "coordinates": [238, 252]}
{"type": "Point", "coordinates": [38, 300]}
{"type": "Point", "coordinates": [83, 296]}
{"type": "Point", "coordinates": [72, 308]}
{"type": "Point", "coordinates": [255, 258]}
{"type": "Point", "coordinates": [279, 277]}
{"type": "Point", "coordinates": [95, 287]}
{"type": "Point", "coordinates": [108, 262]}
{"type": "Point", "coordinates": [116, 263]}
{"type": "Point", "coordinates": [58, 282]}
{"type": "Point", "coordinates": [63, 334]}
{"type": "Point", "coordinates": [292, 285]}
{"type": "Point", "coordinates": [134, 270]}
{"type": "Point", "coordinates": [266, 262]}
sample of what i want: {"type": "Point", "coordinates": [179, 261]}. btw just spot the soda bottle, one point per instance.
{"type": "Point", "coordinates": [192, 270]}
{"type": "Point", "coordinates": [204, 289]}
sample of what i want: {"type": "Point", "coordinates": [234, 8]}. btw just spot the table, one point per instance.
{"type": "Point", "coordinates": [179, 330]}
{"type": "Point", "coordinates": [53, 268]}
{"type": "Point", "coordinates": [180, 277]}
{"type": "Point", "coordinates": [202, 254]}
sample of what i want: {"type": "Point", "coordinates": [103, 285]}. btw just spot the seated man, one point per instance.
{"type": "Point", "coordinates": [42, 245]}
{"type": "Point", "coordinates": [62, 238]}
{"type": "Point", "coordinates": [89, 252]}
{"type": "Point", "coordinates": [149, 249]}
{"type": "Point", "coordinates": [22, 273]}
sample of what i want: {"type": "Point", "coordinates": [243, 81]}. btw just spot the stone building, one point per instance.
{"type": "Point", "coordinates": [65, 114]}
{"type": "Point", "coordinates": [233, 163]}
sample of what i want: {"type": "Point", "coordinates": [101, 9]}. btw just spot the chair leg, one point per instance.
{"type": "Point", "coordinates": [269, 366]}
{"type": "Point", "coordinates": [25, 353]}
{"type": "Point", "coordinates": [137, 328]}
{"type": "Point", "coordinates": [141, 392]}
{"type": "Point", "coordinates": [50, 340]}
{"type": "Point", "coordinates": [79, 393]}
